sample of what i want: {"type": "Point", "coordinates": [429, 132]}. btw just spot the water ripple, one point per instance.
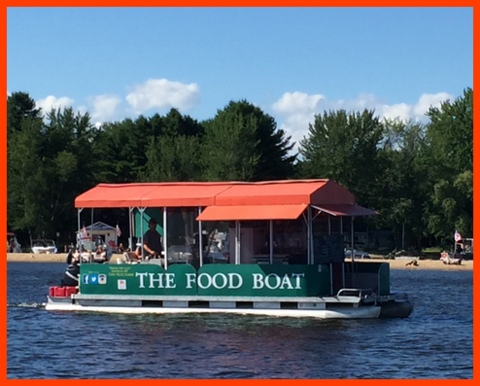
{"type": "Point", "coordinates": [66, 345]}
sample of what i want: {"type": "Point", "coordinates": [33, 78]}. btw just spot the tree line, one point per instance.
{"type": "Point", "coordinates": [418, 176]}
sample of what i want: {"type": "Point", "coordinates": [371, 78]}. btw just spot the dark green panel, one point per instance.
{"type": "Point", "coordinates": [185, 279]}
{"type": "Point", "coordinates": [263, 280]}
{"type": "Point", "coordinates": [124, 279]}
{"type": "Point", "coordinates": [212, 280]}
{"type": "Point", "coordinates": [384, 274]}
{"type": "Point", "coordinates": [375, 276]}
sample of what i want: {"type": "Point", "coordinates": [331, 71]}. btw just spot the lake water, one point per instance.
{"type": "Point", "coordinates": [434, 342]}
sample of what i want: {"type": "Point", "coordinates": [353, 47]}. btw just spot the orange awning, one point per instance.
{"type": "Point", "coordinates": [114, 196]}
{"type": "Point", "coordinates": [288, 192]}
{"type": "Point", "coordinates": [252, 212]}
{"type": "Point", "coordinates": [279, 195]}
{"type": "Point", "coordinates": [151, 195]}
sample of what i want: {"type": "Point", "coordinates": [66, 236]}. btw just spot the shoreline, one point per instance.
{"type": "Point", "coordinates": [467, 265]}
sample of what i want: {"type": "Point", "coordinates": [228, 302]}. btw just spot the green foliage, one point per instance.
{"type": "Point", "coordinates": [344, 147]}
{"type": "Point", "coordinates": [45, 168]}
{"type": "Point", "coordinates": [173, 158]}
{"type": "Point", "coordinates": [19, 108]}
{"type": "Point", "coordinates": [24, 172]}
{"type": "Point", "coordinates": [419, 177]}
{"type": "Point", "coordinates": [230, 146]}
{"type": "Point", "coordinates": [448, 167]}
{"type": "Point", "coordinates": [401, 191]}
{"type": "Point", "coordinates": [243, 143]}
{"type": "Point", "coordinates": [120, 149]}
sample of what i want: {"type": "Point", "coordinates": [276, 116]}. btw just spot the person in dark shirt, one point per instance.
{"type": "Point", "coordinates": [152, 241]}
{"type": "Point", "coordinates": [71, 256]}
{"type": "Point", "coordinates": [70, 277]}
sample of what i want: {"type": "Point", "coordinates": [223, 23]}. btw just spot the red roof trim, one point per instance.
{"type": "Point", "coordinates": [252, 212]}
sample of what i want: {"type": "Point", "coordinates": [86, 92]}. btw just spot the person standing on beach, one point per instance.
{"type": "Point", "coordinates": [12, 245]}
{"type": "Point", "coordinates": [152, 241]}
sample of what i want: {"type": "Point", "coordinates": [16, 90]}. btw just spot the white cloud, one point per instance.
{"type": "Point", "coordinates": [161, 94]}
{"type": "Point", "coordinates": [362, 102]}
{"type": "Point", "coordinates": [400, 111]}
{"type": "Point", "coordinates": [430, 100]}
{"type": "Point", "coordinates": [104, 107]}
{"type": "Point", "coordinates": [297, 102]}
{"type": "Point", "coordinates": [154, 93]}
{"type": "Point", "coordinates": [52, 102]}
{"type": "Point", "coordinates": [298, 109]}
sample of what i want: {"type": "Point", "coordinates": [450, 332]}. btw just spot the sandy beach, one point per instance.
{"type": "Point", "coordinates": [394, 264]}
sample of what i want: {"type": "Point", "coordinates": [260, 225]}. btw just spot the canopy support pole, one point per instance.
{"type": "Point", "coordinates": [200, 241]}
{"type": "Point", "coordinates": [352, 237]}
{"type": "Point", "coordinates": [165, 243]}
{"type": "Point", "coordinates": [237, 242]}
{"type": "Point", "coordinates": [91, 229]}
{"type": "Point", "coordinates": [271, 241]}
{"type": "Point", "coordinates": [141, 210]}
{"type": "Point", "coordinates": [130, 235]}
{"type": "Point", "coordinates": [79, 234]}
{"type": "Point", "coordinates": [309, 236]}
{"type": "Point", "coordinates": [353, 252]}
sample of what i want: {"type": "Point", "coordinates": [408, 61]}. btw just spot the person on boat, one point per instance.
{"type": "Point", "coordinates": [120, 248]}
{"type": "Point", "coordinates": [135, 256]}
{"type": "Point", "coordinates": [73, 256]}
{"type": "Point", "coordinates": [70, 277]}
{"type": "Point", "coordinates": [152, 241]}
{"type": "Point", "coordinates": [100, 255]}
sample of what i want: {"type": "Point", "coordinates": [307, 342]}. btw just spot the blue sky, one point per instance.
{"type": "Point", "coordinates": [293, 63]}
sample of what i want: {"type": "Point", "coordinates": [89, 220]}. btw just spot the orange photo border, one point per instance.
{"type": "Point", "coordinates": [219, 3]}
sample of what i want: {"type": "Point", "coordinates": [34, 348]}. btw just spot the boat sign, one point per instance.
{"type": "Point", "coordinates": [209, 280]}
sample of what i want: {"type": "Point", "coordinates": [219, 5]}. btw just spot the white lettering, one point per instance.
{"type": "Point", "coordinates": [190, 279]}
{"type": "Point", "coordinates": [231, 284]}
{"type": "Point", "coordinates": [221, 280]}
{"type": "Point", "coordinates": [257, 280]}
{"type": "Point", "coordinates": [199, 280]}
{"type": "Point", "coordinates": [158, 280]}
{"type": "Point", "coordinates": [224, 280]}
{"type": "Point", "coordinates": [286, 282]}
{"type": "Point", "coordinates": [277, 281]}
{"type": "Point", "coordinates": [297, 277]}
{"type": "Point", "coordinates": [170, 280]}
{"type": "Point", "coordinates": [142, 275]}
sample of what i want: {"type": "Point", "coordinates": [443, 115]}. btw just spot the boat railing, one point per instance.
{"type": "Point", "coordinates": [355, 292]}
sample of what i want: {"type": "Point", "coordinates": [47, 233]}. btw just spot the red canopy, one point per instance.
{"type": "Point", "coordinates": [252, 212]}
{"type": "Point", "coordinates": [178, 194]}
{"type": "Point", "coordinates": [256, 200]}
